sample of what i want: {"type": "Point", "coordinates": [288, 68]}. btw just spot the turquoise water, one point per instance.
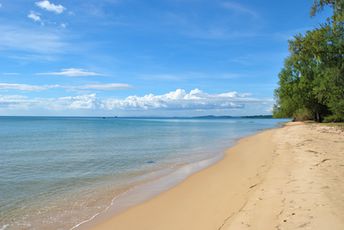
{"type": "Point", "coordinates": [58, 172]}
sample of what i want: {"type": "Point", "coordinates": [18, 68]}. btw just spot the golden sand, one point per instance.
{"type": "Point", "coordinates": [286, 178]}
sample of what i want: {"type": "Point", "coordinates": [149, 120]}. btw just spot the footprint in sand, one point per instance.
{"type": "Point", "coordinates": [304, 225]}
{"type": "Point", "coordinates": [323, 161]}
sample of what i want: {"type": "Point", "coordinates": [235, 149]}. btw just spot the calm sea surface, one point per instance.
{"type": "Point", "coordinates": [58, 172]}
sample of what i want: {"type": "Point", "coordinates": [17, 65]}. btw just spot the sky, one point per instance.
{"type": "Point", "coordinates": [145, 57]}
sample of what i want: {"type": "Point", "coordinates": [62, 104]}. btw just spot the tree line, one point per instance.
{"type": "Point", "coordinates": [311, 83]}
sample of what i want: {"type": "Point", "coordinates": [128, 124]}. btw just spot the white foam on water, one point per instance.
{"type": "Point", "coordinates": [4, 227]}
{"type": "Point", "coordinates": [144, 192]}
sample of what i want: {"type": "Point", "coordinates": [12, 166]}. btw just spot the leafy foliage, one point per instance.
{"type": "Point", "coordinates": [336, 5]}
{"type": "Point", "coordinates": [311, 84]}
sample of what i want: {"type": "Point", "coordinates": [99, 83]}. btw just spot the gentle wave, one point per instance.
{"type": "Point", "coordinates": [52, 168]}
{"type": "Point", "coordinates": [4, 227]}
{"type": "Point", "coordinates": [150, 189]}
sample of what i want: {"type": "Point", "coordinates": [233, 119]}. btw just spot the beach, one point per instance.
{"type": "Point", "coordinates": [66, 172]}
{"type": "Point", "coordinates": [283, 178]}
{"type": "Point", "coordinates": [176, 115]}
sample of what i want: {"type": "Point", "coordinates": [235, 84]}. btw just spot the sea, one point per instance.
{"type": "Point", "coordinates": [70, 172]}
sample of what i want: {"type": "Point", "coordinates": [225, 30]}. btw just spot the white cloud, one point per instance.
{"type": "Point", "coordinates": [236, 7]}
{"type": "Point", "coordinates": [46, 5]}
{"type": "Point", "coordinates": [72, 72]}
{"type": "Point", "coordinates": [25, 87]}
{"type": "Point", "coordinates": [182, 100]}
{"type": "Point", "coordinates": [62, 103]}
{"type": "Point", "coordinates": [95, 86]}
{"type": "Point", "coordinates": [89, 101]}
{"type": "Point", "coordinates": [107, 86]}
{"type": "Point", "coordinates": [86, 102]}
{"type": "Point", "coordinates": [16, 38]}
{"type": "Point", "coordinates": [195, 100]}
{"type": "Point", "coordinates": [15, 102]}
{"type": "Point", "coordinates": [34, 16]}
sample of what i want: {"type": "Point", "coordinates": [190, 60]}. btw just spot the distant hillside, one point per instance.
{"type": "Point", "coordinates": [200, 117]}
{"type": "Point", "coordinates": [231, 117]}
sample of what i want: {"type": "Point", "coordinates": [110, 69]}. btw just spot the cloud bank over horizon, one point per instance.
{"type": "Point", "coordinates": [178, 100]}
{"type": "Point", "coordinates": [86, 57]}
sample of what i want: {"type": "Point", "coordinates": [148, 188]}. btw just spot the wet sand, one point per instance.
{"type": "Point", "coordinates": [285, 178]}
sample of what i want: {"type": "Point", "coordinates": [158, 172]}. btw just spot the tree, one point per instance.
{"type": "Point", "coordinates": [336, 5]}
{"type": "Point", "coordinates": [312, 80]}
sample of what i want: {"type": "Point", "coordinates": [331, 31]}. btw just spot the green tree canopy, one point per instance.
{"type": "Point", "coordinates": [311, 84]}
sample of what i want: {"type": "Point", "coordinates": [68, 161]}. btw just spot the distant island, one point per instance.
{"type": "Point", "coordinates": [231, 117]}
{"type": "Point", "coordinates": [200, 117]}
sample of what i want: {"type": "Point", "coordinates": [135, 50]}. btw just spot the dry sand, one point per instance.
{"type": "Point", "coordinates": [287, 178]}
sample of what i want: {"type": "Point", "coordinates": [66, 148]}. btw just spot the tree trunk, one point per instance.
{"type": "Point", "coordinates": [318, 117]}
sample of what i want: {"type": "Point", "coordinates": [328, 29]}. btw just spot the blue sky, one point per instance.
{"type": "Point", "coordinates": [145, 58]}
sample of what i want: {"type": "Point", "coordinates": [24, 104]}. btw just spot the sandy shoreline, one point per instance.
{"type": "Point", "coordinates": [283, 178]}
